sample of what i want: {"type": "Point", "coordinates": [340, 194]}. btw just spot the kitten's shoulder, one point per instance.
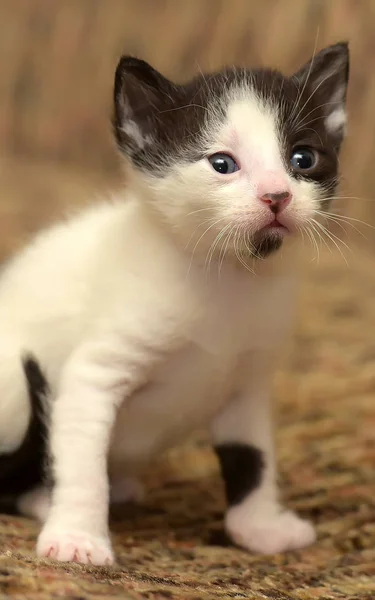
{"type": "Point", "coordinates": [67, 248]}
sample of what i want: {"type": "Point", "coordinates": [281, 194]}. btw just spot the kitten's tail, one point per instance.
{"type": "Point", "coordinates": [23, 468]}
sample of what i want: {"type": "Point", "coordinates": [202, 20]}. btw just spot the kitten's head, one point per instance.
{"type": "Point", "coordinates": [238, 159]}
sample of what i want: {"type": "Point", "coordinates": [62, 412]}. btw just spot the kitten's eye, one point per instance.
{"type": "Point", "coordinates": [303, 159]}
{"type": "Point", "coordinates": [223, 163]}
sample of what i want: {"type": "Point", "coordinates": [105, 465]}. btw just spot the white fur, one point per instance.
{"type": "Point", "coordinates": [142, 341]}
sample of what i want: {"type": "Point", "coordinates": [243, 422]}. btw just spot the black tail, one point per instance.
{"type": "Point", "coordinates": [23, 469]}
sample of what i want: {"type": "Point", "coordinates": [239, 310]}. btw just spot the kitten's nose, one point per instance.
{"type": "Point", "coordinates": [277, 201]}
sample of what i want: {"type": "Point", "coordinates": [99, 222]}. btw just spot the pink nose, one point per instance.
{"type": "Point", "coordinates": [277, 201]}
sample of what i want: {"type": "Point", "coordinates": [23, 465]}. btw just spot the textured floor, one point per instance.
{"type": "Point", "coordinates": [173, 547]}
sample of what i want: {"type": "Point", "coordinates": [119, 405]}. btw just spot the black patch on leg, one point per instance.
{"type": "Point", "coordinates": [23, 469]}
{"type": "Point", "coordinates": [241, 468]}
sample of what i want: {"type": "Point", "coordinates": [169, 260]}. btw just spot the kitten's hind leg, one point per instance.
{"type": "Point", "coordinates": [15, 407]}
{"type": "Point", "coordinates": [35, 503]}
{"type": "Point", "coordinates": [243, 441]}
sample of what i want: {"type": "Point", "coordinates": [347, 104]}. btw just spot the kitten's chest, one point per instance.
{"type": "Point", "coordinates": [244, 314]}
{"type": "Point", "coordinates": [192, 383]}
{"type": "Point", "coordinates": [182, 394]}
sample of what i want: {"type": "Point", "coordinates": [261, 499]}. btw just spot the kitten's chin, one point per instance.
{"type": "Point", "coordinates": [267, 241]}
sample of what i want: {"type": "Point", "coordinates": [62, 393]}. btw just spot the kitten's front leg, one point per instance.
{"type": "Point", "coordinates": [94, 384]}
{"type": "Point", "coordinates": [243, 441]}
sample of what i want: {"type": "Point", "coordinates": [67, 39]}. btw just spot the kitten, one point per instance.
{"type": "Point", "coordinates": [144, 318]}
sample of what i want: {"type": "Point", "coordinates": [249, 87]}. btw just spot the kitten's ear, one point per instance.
{"type": "Point", "coordinates": [326, 76]}
{"type": "Point", "coordinates": [140, 94]}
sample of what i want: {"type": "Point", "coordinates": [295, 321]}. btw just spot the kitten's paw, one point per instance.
{"type": "Point", "coordinates": [271, 534]}
{"type": "Point", "coordinates": [127, 489]}
{"type": "Point", "coordinates": [74, 546]}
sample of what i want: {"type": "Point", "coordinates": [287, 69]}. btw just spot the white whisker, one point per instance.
{"type": "Point", "coordinates": [331, 236]}
{"type": "Point", "coordinates": [292, 117]}
{"type": "Point", "coordinates": [200, 238]}
{"type": "Point", "coordinates": [213, 247]}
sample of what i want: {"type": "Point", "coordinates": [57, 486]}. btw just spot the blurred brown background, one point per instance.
{"type": "Point", "coordinates": [57, 61]}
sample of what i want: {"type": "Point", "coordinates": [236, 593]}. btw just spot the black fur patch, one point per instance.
{"type": "Point", "coordinates": [241, 468]}
{"type": "Point", "coordinates": [23, 469]}
{"type": "Point", "coordinates": [266, 243]}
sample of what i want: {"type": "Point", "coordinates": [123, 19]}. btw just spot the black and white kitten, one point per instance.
{"type": "Point", "coordinates": [166, 308]}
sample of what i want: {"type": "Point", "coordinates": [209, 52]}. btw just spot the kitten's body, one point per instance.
{"type": "Point", "coordinates": [165, 310]}
{"type": "Point", "coordinates": [197, 329]}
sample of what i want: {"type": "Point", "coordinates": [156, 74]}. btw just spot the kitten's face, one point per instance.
{"type": "Point", "coordinates": [239, 160]}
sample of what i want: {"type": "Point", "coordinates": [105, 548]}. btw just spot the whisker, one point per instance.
{"type": "Point", "coordinates": [167, 110]}
{"type": "Point", "coordinates": [333, 239]}
{"type": "Point", "coordinates": [194, 212]}
{"type": "Point", "coordinates": [310, 129]}
{"type": "Point", "coordinates": [303, 124]}
{"type": "Point", "coordinates": [312, 94]}
{"type": "Point", "coordinates": [338, 221]}
{"type": "Point", "coordinates": [201, 237]}
{"type": "Point", "coordinates": [247, 241]}
{"type": "Point", "coordinates": [224, 249]}
{"type": "Point", "coordinates": [204, 222]}
{"type": "Point", "coordinates": [347, 198]}
{"type": "Point", "coordinates": [314, 242]}
{"type": "Point", "coordinates": [314, 109]}
{"type": "Point", "coordinates": [237, 253]}
{"type": "Point", "coordinates": [299, 96]}
{"type": "Point", "coordinates": [320, 236]}
{"type": "Point", "coordinates": [346, 218]}
{"type": "Point", "coordinates": [213, 247]}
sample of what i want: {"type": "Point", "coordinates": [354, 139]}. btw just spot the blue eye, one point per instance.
{"type": "Point", "coordinates": [303, 159]}
{"type": "Point", "coordinates": [223, 163]}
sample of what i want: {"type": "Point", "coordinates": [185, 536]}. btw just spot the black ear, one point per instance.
{"type": "Point", "coordinates": [141, 93]}
{"type": "Point", "coordinates": [325, 77]}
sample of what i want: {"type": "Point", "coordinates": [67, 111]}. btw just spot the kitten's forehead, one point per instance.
{"type": "Point", "coordinates": [260, 91]}
{"type": "Point", "coordinates": [235, 102]}
{"type": "Point", "coordinates": [252, 128]}
{"type": "Point", "coordinates": [242, 109]}
{"type": "Point", "coordinates": [261, 108]}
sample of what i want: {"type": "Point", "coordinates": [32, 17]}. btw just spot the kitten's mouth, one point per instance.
{"type": "Point", "coordinates": [275, 224]}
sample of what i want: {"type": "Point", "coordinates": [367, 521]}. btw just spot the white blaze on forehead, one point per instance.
{"type": "Point", "coordinates": [252, 130]}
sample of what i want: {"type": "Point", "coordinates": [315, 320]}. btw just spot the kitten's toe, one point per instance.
{"type": "Point", "coordinates": [270, 534]}
{"type": "Point", "coordinates": [74, 546]}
